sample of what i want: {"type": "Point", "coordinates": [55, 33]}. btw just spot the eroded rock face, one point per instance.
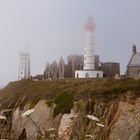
{"type": "Point", "coordinates": [41, 116]}
{"type": "Point", "coordinates": [121, 120]}
{"type": "Point", "coordinates": [127, 124]}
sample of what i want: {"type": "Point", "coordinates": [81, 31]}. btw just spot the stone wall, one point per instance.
{"type": "Point", "coordinates": [133, 72]}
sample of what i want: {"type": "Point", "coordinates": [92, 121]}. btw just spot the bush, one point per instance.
{"type": "Point", "coordinates": [64, 103]}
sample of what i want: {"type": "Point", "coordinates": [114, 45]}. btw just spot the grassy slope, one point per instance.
{"type": "Point", "coordinates": [27, 91]}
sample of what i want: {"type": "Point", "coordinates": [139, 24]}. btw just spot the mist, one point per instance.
{"type": "Point", "coordinates": [50, 29]}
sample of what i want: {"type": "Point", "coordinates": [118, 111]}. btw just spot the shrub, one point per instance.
{"type": "Point", "coordinates": [64, 103]}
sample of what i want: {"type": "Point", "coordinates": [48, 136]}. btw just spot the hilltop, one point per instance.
{"type": "Point", "coordinates": [115, 102]}
{"type": "Point", "coordinates": [28, 91]}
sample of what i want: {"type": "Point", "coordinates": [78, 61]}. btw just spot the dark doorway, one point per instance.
{"type": "Point", "coordinates": [87, 75]}
{"type": "Point", "coordinates": [77, 75]}
{"type": "Point", "coordinates": [97, 75]}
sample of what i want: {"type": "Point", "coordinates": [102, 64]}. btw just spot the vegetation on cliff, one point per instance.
{"type": "Point", "coordinates": [64, 92]}
{"type": "Point", "coordinates": [104, 98]}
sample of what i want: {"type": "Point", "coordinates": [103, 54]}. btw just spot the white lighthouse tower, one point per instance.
{"type": "Point", "coordinates": [24, 66]}
{"type": "Point", "coordinates": [89, 70]}
{"type": "Point", "coordinates": [89, 60]}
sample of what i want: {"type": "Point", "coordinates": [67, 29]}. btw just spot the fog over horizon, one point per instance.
{"type": "Point", "coordinates": [50, 29]}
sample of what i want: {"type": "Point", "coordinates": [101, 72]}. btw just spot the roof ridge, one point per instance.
{"type": "Point", "coordinates": [135, 60]}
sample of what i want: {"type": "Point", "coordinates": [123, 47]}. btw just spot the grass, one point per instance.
{"type": "Point", "coordinates": [64, 92]}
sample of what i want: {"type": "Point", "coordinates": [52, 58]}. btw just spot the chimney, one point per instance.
{"type": "Point", "coordinates": [134, 49]}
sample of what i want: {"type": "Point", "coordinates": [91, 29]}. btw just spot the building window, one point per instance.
{"type": "Point", "coordinates": [138, 72]}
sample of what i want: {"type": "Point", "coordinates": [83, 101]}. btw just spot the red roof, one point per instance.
{"type": "Point", "coordinates": [89, 25]}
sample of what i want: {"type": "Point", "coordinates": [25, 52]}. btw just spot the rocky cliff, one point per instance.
{"type": "Point", "coordinates": [61, 110]}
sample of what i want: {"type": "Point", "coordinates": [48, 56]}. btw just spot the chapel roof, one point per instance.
{"type": "Point", "coordinates": [135, 60]}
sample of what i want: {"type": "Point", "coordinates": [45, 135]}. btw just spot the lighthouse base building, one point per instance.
{"type": "Point", "coordinates": [88, 74]}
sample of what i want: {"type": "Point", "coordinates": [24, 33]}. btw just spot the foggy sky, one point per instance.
{"type": "Point", "coordinates": [54, 28]}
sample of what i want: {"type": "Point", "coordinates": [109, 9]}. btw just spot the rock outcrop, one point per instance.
{"type": "Point", "coordinates": [63, 116]}
{"type": "Point", "coordinates": [121, 121]}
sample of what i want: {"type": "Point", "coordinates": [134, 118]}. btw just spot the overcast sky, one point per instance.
{"type": "Point", "coordinates": [54, 28]}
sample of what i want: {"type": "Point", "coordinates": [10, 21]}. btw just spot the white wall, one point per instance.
{"type": "Point", "coordinates": [88, 74]}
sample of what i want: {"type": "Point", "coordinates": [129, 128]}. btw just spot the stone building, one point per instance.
{"type": "Point", "coordinates": [74, 62]}
{"type": "Point", "coordinates": [54, 70]}
{"type": "Point", "coordinates": [97, 62]}
{"type": "Point", "coordinates": [133, 67]}
{"type": "Point", "coordinates": [47, 72]}
{"type": "Point", "coordinates": [110, 69]}
{"type": "Point", "coordinates": [61, 68]}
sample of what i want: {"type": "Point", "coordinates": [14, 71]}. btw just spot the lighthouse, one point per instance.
{"type": "Point", "coordinates": [89, 69]}
{"type": "Point", "coordinates": [24, 66]}
{"type": "Point", "coordinates": [89, 59]}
